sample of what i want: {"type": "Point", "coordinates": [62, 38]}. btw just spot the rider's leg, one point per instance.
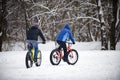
{"type": "Point", "coordinates": [59, 48]}
{"type": "Point", "coordinates": [30, 44]}
{"type": "Point", "coordinates": [63, 45]}
{"type": "Point", "coordinates": [65, 51]}
{"type": "Point", "coordinates": [35, 44]}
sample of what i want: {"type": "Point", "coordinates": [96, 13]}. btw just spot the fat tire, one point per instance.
{"type": "Point", "coordinates": [76, 56]}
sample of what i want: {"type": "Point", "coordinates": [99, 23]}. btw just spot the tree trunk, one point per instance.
{"type": "Point", "coordinates": [26, 20]}
{"type": "Point", "coordinates": [112, 30]}
{"type": "Point", "coordinates": [0, 36]}
{"type": "Point", "coordinates": [104, 42]}
{"type": "Point", "coordinates": [90, 35]}
{"type": "Point", "coordinates": [3, 22]}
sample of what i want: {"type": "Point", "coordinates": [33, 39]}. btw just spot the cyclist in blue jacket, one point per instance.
{"type": "Point", "coordinates": [62, 37]}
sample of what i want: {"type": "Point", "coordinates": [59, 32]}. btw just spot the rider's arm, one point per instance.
{"type": "Point", "coordinates": [41, 35]}
{"type": "Point", "coordinates": [71, 37]}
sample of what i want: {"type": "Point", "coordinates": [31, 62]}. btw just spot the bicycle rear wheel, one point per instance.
{"type": "Point", "coordinates": [72, 57]}
{"type": "Point", "coordinates": [39, 59]}
{"type": "Point", "coordinates": [28, 60]}
{"type": "Point", "coordinates": [55, 57]}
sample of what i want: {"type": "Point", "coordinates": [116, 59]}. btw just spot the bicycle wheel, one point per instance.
{"type": "Point", "coordinates": [72, 57]}
{"type": "Point", "coordinates": [39, 59]}
{"type": "Point", "coordinates": [55, 57]}
{"type": "Point", "coordinates": [28, 60]}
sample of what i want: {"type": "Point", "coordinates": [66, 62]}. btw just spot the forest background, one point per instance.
{"type": "Point", "coordinates": [90, 20]}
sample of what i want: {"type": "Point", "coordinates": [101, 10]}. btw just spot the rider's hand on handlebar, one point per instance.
{"type": "Point", "coordinates": [73, 42]}
{"type": "Point", "coordinates": [43, 42]}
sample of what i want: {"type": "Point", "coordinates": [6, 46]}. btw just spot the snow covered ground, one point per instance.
{"type": "Point", "coordinates": [93, 64]}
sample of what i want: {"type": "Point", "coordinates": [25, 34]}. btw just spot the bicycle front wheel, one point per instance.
{"type": "Point", "coordinates": [55, 57]}
{"type": "Point", "coordinates": [72, 57]}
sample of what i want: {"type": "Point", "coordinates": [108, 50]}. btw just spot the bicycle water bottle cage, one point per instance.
{"type": "Point", "coordinates": [29, 46]}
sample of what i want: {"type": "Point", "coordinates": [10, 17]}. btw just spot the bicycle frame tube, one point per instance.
{"type": "Point", "coordinates": [31, 49]}
{"type": "Point", "coordinates": [61, 54]}
{"type": "Point", "coordinates": [69, 49]}
{"type": "Point", "coordinates": [32, 52]}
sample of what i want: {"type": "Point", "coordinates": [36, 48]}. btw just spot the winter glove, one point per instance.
{"type": "Point", "coordinates": [43, 42]}
{"type": "Point", "coordinates": [73, 42]}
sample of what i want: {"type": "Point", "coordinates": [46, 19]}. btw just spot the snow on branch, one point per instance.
{"type": "Point", "coordinates": [12, 11]}
{"type": "Point", "coordinates": [39, 15]}
{"type": "Point", "coordinates": [101, 11]}
{"type": "Point", "coordinates": [99, 3]}
{"type": "Point", "coordinates": [84, 26]}
{"type": "Point", "coordinates": [62, 21]}
{"type": "Point", "coordinates": [89, 18]}
{"type": "Point", "coordinates": [38, 5]}
{"type": "Point", "coordinates": [90, 4]}
{"type": "Point", "coordinates": [65, 7]}
{"type": "Point", "coordinates": [118, 12]}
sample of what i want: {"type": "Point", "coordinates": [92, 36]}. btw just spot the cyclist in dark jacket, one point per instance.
{"type": "Point", "coordinates": [32, 37]}
{"type": "Point", "coordinates": [62, 37]}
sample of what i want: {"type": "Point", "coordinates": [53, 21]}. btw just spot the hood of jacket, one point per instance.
{"type": "Point", "coordinates": [67, 27]}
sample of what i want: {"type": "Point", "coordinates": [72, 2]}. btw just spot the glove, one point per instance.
{"type": "Point", "coordinates": [43, 42]}
{"type": "Point", "coordinates": [73, 42]}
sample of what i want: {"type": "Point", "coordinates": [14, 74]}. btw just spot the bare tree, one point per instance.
{"type": "Point", "coordinates": [82, 15]}
{"type": "Point", "coordinates": [113, 26]}
{"type": "Point", "coordinates": [3, 21]}
{"type": "Point", "coordinates": [104, 43]}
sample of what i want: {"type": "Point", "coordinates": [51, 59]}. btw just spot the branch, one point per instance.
{"type": "Point", "coordinates": [38, 5]}
{"type": "Point", "coordinates": [62, 21]}
{"type": "Point", "coordinates": [89, 18]}
{"type": "Point", "coordinates": [118, 12]}
{"type": "Point", "coordinates": [90, 4]}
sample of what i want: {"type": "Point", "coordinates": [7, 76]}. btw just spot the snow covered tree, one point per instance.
{"type": "Point", "coordinates": [52, 15]}
{"type": "Point", "coordinates": [15, 18]}
{"type": "Point", "coordinates": [117, 25]}
{"type": "Point", "coordinates": [104, 42]}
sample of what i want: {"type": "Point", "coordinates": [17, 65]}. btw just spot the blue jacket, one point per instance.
{"type": "Point", "coordinates": [65, 34]}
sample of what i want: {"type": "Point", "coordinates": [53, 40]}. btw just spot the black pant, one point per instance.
{"type": "Point", "coordinates": [63, 45]}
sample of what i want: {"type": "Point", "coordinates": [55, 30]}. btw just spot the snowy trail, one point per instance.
{"type": "Point", "coordinates": [92, 65]}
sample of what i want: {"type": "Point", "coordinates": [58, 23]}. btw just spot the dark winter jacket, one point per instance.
{"type": "Point", "coordinates": [65, 34]}
{"type": "Point", "coordinates": [33, 34]}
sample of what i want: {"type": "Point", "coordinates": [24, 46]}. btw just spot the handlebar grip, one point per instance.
{"type": "Point", "coordinates": [69, 42]}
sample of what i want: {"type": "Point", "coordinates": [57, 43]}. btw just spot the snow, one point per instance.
{"type": "Point", "coordinates": [93, 64]}
{"type": "Point", "coordinates": [19, 46]}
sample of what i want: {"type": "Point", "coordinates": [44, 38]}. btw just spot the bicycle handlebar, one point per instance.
{"type": "Point", "coordinates": [69, 42]}
{"type": "Point", "coordinates": [41, 42]}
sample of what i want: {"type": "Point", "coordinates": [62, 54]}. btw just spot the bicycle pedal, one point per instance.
{"type": "Point", "coordinates": [71, 56]}
{"type": "Point", "coordinates": [35, 60]}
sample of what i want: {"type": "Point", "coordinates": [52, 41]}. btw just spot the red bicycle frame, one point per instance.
{"type": "Point", "coordinates": [60, 53]}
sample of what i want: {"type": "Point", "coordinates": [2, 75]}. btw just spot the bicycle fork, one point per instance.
{"type": "Point", "coordinates": [70, 50]}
